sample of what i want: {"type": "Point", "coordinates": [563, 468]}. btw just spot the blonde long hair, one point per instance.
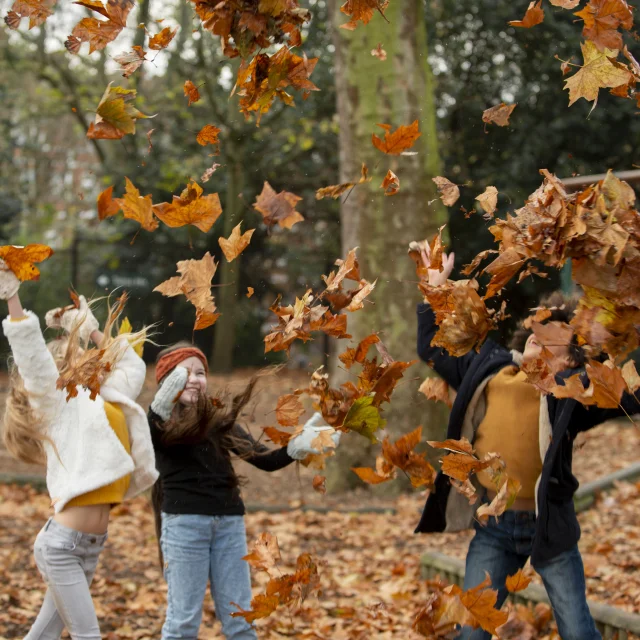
{"type": "Point", "coordinates": [24, 430]}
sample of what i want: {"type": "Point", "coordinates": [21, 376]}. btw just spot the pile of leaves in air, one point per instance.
{"type": "Point", "coordinates": [598, 229]}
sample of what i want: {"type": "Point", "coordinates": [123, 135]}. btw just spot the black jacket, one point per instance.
{"type": "Point", "coordinates": [557, 528]}
{"type": "Point", "coordinates": [196, 480]}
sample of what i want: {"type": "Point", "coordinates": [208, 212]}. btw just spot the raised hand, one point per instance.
{"type": "Point", "coordinates": [71, 319]}
{"type": "Point", "coordinates": [436, 277]}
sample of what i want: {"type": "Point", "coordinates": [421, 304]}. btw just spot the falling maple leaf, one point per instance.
{"type": "Point", "coordinates": [233, 246]}
{"type": "Point", "coordinates": [132, 61]}
{"type": "Point", "coordinates": [457, 446]}
{"type": "Point", "coordinates": [403, 138]}
{"type": "Point", "coordinates": [379, 53]}
{"type": "Point", "coordinates": [602, 19]}
{"type": "Point", "coordinates": [359, 353]}
{"type": "Point", "coordinates": [599, 71]}
{"type": "Point", "coordinates": [194, 282]}
{"type": "Point", "coordinates": [565, 4]}
{"type": "Point", "coordinates": [503, 500]}
{"type": "Point", "coordinates": [278, 208]}
{"type": "Point", "coordinates": [36, 10]}
{"type": "Point", "coordinates": [99, 33]}
{"type": "Point", "coordinates": [499, 114]}
{"type": "Point", "coordinates": [135, 207]}
{"type": "Point", "coordinates": [266, 77]}
{"type": "Point", "coordinates": [162, 39]}
{"type": "Point", "coordinates": [488, 201]}
{"type": "Point", "coordinates": [361, 10]}
{"type": "Point", "coordinates": [191, 92]}
{"type": "Point", "coordinates": [115, 116]}
{"type": "Point", "coordinates": [364, 418]}
{"type": "Point", "coordinates": [436, 389]}
{"type": "Point", "coordinates": [289, 410]}
{"type": "Point", "coordinates": [206, 176]}
{"type": "Point", "coordinates": [265, 553]}
{"type": "Point", "coordinates": [630, 375]}
{"type": "Point", "coordinates": [249, 292]}
{"type": "Point", "coordinates": [449, 192]}
{"type": "Point", "coordinates": [480, 602]}
{"type": "Point", "coordinates": [209, 135]}
{"type": "Point", "coordinates": [336, 190]}
{"type": "Point", "coordinates": [190, 207]}
{"type": "Point", "coordinates": [277, 436]}
{"type": "Point", "coordinates": [20, 260]}
{"type": "Point", "coordinates": [519, 581]}
{"type": "Point", "coordinates": [262, 606]}
{"type": "Point", "coordinates": [533, 16]}
{"type": "Point", "coordinates": [149, 140]}
{"type": "Point", "coordinates": [88, 371]}
{"type": "Point", "coordinates": [319, 484]}
{"type": "Point", "coordinates": [390, 184]}
{"type": "Point", "coordinates": [107, 205]}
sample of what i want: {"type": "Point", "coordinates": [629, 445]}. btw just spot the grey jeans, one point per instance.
{"type": "Point", "coordinates": [67, 560]}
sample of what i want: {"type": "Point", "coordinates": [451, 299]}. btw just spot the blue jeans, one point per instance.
{"type": "Point", "coordinates": [504, 547]}
{"type": "Point", "coordinates": [67, 560]}
{"type": "Point", "coordinates": [200, 548]}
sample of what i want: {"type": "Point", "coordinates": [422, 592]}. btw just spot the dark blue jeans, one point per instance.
{"type": "Point", "coordinates": [504, 547]}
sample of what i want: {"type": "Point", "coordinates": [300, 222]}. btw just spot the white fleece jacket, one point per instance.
{"type": "Point", "coordinates": [90, 454]}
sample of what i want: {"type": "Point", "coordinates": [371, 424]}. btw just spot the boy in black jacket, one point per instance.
{"type": "Point", "coordinates": [498, 410]}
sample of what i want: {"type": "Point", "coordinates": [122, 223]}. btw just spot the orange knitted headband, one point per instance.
{"type": "Point", "coordinates": [171, 360]}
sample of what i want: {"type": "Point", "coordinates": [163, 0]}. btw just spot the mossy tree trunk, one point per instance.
{"type": "Point", "coordinates": [396, 91]}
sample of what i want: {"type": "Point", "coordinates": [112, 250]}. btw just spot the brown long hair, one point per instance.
{"type": "Point", "coordinates": [562, 309]}
{"type": "Point", "coordinates": [208, 420]}
{"type": "Point", "coordinates": [24, 429]}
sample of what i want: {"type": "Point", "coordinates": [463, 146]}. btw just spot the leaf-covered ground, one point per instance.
{"type": "Point", "coordinates": [371, 586]}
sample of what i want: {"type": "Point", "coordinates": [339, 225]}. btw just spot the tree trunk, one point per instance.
{"type": "Point", "coordinates": [227, 296]}
{"type": "Point", "coordinates": [396, 91]}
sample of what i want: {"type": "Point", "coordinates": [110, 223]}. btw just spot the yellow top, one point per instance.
{"type": "Point", "coordinates": [112, 493]}
{"type": "Point", "coordinates": [510, 428]}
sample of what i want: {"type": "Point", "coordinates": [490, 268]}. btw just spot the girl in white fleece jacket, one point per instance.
{"type": "Point", "coordinates": [98, 452]}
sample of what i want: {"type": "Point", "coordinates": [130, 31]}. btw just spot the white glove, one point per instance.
{"type": "Point", "coordinates": [69, 319]}
{"type": "Point", "coordinates": [9, 284]}
{"type": "Point", "coordinates": [301, 446]}
{"type": "Point", "coordinates": [169, 392]}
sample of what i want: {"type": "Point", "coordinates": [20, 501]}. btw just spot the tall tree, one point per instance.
{"type": "Point", "coordinates": [395, 91]}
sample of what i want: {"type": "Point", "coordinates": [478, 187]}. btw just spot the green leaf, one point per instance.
{"type": "Point", "coordinates": [364, 418]}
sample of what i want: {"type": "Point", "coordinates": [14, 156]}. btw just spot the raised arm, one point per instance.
{"type": "Point", "coordinates": [256, 453]}
{"type": "Point", "coordinates": [35, 363]}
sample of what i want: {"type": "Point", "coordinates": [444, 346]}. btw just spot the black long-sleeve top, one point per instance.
{"type": "Point", "coordinates": [196, 479]}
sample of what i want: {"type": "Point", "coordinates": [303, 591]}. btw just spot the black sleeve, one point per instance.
{"type": "Point", "coordinates": [257, 454]}
{"type": "Point", "coordinates": [588, 417]}
{"type": "Point", "coordinates": [155, 427]}
{"type": "Point", "coordinates": [448, 367]}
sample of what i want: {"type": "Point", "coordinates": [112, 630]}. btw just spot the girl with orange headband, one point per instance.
{"type": "Point", "coordinates": [197, 503]}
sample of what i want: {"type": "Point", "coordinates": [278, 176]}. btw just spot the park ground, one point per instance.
{"type": "Point", "coordinates": [369, 562]}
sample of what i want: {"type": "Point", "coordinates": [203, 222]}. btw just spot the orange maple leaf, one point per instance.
{"type": "Point", "coordinates": [518, 581]}
{"type": "Point", "coordinates": [99, 33]}
{"type": "Point", "coordinates": [480, 602]}
{"type": "Point", "coordinates": [137, 207]}
{"type": "Point", "coordinates": [602, 19]}
{"type": "Point", "coordinates": [436, 389]}
{"type": "Point", "coordinates": [20, 260]}
{"type": "Point", "coordinates": [361, 10]}
{"type": "Point", "coordinates": [288, 410]}
{"type": "Point", "coordinates": [499, 114]}
{"type": "Point", "coordinates": [265, 553]}
{"type": "Point", "coordinates": [36, 10]}
{"type": "Point", "coordinates": [236, 243]}
{"type": "Point", "coordinates": [278, 208]}
{"type": "Point", "coordinates": [359, 353]}
{"type": "Point", "coordinates": [190, 207]}
{"type": "Point", "coordinates": [162, 39]}
{"type": "Point", "coordinates": [533, 16]}
{"type": "Point", "coordinates": [403, 138]}
{"type": "Point", "coordinates": [449, 192]}
{"type": "Point", "coordinates": [209, 135]}
{"type": "Point", "coordinates": [115, 116]}
{"type": "Point", "coordinates": [191, 92]}
{"type": "Point", "coordinates": [277, 436]}
{"type": "Point", "coordinates": [107, 205]}
{"type": "Point", "coordinates": [390, 184]}
{"type": "Point", "coordinates": [194, 282]}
